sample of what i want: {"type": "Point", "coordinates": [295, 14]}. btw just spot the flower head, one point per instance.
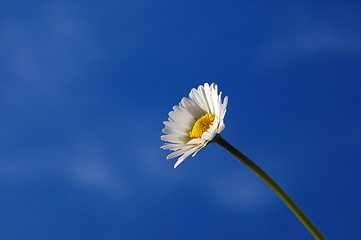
{"type": "Point", "coordinates": [194, 122]}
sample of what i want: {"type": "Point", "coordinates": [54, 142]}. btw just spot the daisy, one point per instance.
{"type": "Point", "coordinates": [194, 122]}
{"type": "Point", "coordinates": [197, 121]}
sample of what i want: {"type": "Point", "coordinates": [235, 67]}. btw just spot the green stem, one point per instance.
{"type": "Point", "coordinates": [275, 187]}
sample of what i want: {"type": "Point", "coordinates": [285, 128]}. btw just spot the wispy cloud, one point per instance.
{"type": "Point", "coordinates": [308, 35]}
{"type": "Point", "coordinates": [236, 191]}
{"type": "Point", "coordinates": [45, 54]}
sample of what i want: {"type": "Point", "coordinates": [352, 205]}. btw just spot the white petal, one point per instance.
{"type": "Point", "coordinates": [220, 127]}
{"type": "Point", "coordinates": [225, 102]}
{"type": "Point", "coordinates": [198, 149]}
{"type": "Point", "coordinates": [216, 103]}
{"type": "Point", "coordinates": [168, 130]}
{"type": "Point", "coordinates": [196, 141]}
{"type": "Point", "coordinates": [206, 136]}
{"type": "Point", "coordinates": [195, 96]}
{"type": "Point", "coordinates": [177, 153]}
{"type": "Point", "coordinates": [187, 103]}
{"type": "Point", "coordinates": [173, 146]}
{"type": "Point", "coordinates": [181, 159]}
{"type": "Point", "coordinates": [180, 118]}
{"type": "Point", "coordinates": [183, 111]}
{"type": "Point", "coordinates": [173, 138]}
{"type": "Point", "coordinates": [208, 92]}
{"type": "Point", "coordinates": [188, 125]}
{"type": "Point", "coordinates": [202, 94]}
{"type": "Point", "coordinates": [192, 108]}
{"type": "Point", "coordinates": [175, 126]}
{"type": "Point", "coordinates": [214, 127]}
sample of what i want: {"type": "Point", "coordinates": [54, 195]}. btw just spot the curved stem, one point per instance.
{"type": "Point", "coordinates": [270, 182]}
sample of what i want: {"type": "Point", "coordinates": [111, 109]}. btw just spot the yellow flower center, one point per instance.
{"type": "Point", "coordinates": [203, 124]}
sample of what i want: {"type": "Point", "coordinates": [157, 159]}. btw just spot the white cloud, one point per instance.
{"type": "Point", "coordinates": [307, 35]}
{"type": "Point", "coordinates": [94, 174]}
{"type": "Point", "coordinates": [244, 192]}
{"type": "Point", "coordinates": [45, 55]}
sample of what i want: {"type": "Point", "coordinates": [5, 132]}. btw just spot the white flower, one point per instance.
{"type": "Point", "coordinates": [195, 122]}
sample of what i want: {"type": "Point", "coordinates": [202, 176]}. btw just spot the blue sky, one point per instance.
{"type": "Point", "coordinates": [85, 87]}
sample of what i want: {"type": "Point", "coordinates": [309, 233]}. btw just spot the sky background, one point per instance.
{"type": "Point", "coordinates": [85, 87]}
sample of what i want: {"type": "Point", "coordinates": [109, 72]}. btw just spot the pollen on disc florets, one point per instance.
{"type": "Point", "coordinates": [202, 125]}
